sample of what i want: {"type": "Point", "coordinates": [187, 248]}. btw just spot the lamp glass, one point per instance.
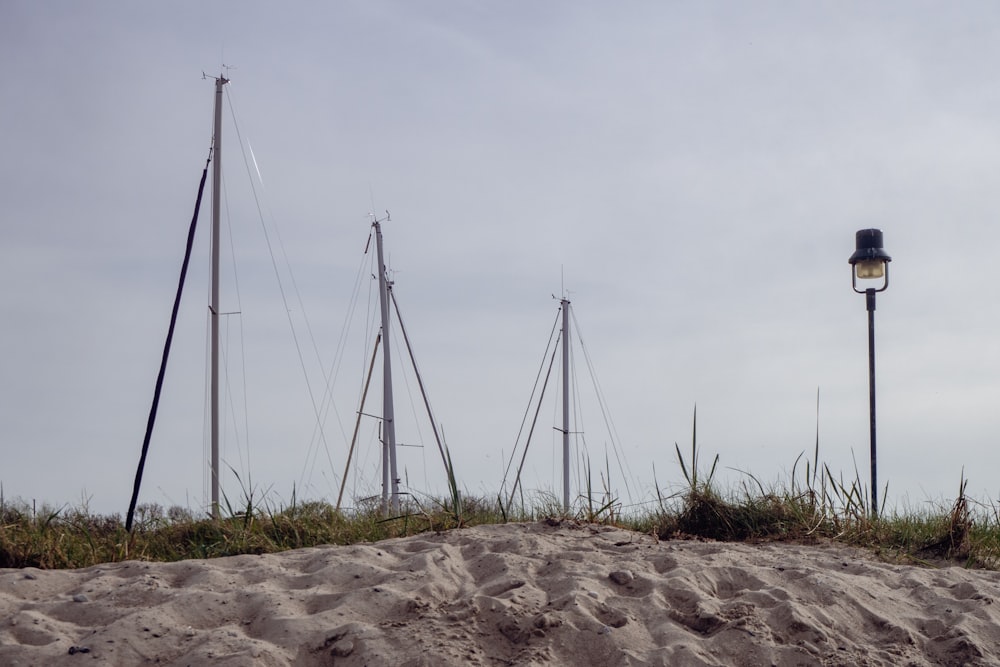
{"type": "Point", "coordinates": [870, 268]}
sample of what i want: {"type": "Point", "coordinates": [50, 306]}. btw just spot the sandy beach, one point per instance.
{"type": "Point", "coordinates": [516, 594]}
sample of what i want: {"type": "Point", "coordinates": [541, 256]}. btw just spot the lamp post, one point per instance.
{"type": "Point", "coordinates": [870, 262]}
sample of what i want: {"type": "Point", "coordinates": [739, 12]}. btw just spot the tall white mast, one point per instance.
{"type": "Point", "coordinates": [389, 477]}
{"type": "Point", "coordinates": [564, 302]}
{"type": "Point", "coordinates": [213, 307]}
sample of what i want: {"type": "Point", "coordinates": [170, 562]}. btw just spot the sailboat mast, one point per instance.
{"type": "Point", "coordinates": [213, 307]}
{"type": "Point", "coordinates": [564, 302]}
{"type": "Point", "coordinates": [389, 477]}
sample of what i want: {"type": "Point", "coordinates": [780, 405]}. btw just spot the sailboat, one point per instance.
{"type": "Point", "coordinates": [390, 475]}
{"type": "Point", "coordinates": [562, 345]}
{"type": "Point", "coordinates": [215, 160]}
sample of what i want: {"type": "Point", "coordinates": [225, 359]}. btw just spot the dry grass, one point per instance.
{"type": "Point", "coordinates": [813, 506]}
{"type": "Point", "coordinates": [71, 538]}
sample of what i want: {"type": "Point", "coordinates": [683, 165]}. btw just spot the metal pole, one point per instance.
{"type": "Point", "coordinates": [565, 402]}
{"type": "Point", "coordinates": [357, 422]}
{"type": "Point", "coordinates": [420, 383]}
{"type": "Point", "coordinates": [389, 476]}
{"type": "Point", "coordinates": [213, 307]}
{"type": "Point", "coordinates": [870, 300]}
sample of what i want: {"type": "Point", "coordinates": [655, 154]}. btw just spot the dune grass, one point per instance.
{"type": "Point", "coordinates": [73, 537]}
{"type": "Point", "coordinates": [813, 506]}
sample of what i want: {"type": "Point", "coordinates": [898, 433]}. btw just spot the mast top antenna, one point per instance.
{"type": "Point", "coordinates": [224, 78]}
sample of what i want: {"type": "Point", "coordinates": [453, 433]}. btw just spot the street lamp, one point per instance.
{"type": "Point", "coordinates": [870, 262]}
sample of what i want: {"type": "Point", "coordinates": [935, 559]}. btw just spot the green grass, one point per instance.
{"type": "Point", "coordinates": [814, 505]}
{"type": "Point", "coordinates": [72, 537]}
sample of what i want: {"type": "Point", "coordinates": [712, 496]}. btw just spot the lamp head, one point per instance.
{"type": "Point", "coordinates": [870, 260]}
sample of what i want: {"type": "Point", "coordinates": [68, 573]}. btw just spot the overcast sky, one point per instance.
{"type": "Point", "coordinates": [691, 175]}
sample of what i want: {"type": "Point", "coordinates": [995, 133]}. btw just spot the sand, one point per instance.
{"type": "Point", "coordinates": [516, 594]}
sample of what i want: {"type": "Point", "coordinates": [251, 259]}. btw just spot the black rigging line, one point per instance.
{"type": "Point", "coordinates": [166, 348]}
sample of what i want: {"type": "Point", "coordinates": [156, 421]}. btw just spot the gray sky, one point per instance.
{"type": "Point", "coordinates": [691, 173]}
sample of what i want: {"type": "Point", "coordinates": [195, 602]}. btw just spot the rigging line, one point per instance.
{"type": "Point", "coordinates": [370, 328]}
{"type": "Point", "coordinates": [517, 479]}
{"type": "Point", "coordinates": [281, 289]}
{"type": "Point", "coordinates": [341, 347]}
{"type": "Point", "coordinates": [555, 447]}
{"type": "Point", "coordinates": [400, 360]}
{"type": "Point", "coordinates": [345, 332]}
{"type": "Point", "coordinates": [609, 425]}
{"type": "Point", "coordinates": [243, 358]}
{"type": "Point", "coordinates": [206, 419]}
{"type": "Point", "coordinates": [277, 232]}
{"type": "Point", "coordinates": [158, 388]}
{"type": "Point", "coordinates": [409, 395]}
{"type": "Point", "coordinates": [345, 329]}
{"type": "Point", "coordinates": [357, 423]}
{"type": "Point", "coordinates": [243, 347]}
{"type": "Point", "coordinates": [420, 382]}
{"type": "Point", "coordinates": [579, 414]}
{"type": "Point", "coordinates": [206, 424]}
{"type": "Point", "coordinates": [374, 320]}
{"type": "Point", "coordinates": [373, 327]}
{"type": "Point", "coordinates": [620, 457]}
{"type": "Point", "coordinates": [579, 430]}
{"type": "Point", "coordinates": [527, 409]}
{"type": "Point", "coordinates": [257, 200]}
{"type": "Point", "coordinates": [334, 373]}
{"type": "Point", "coordinates": [310, 459]}
{"type": "Point", "coordinates": [232, 405]}
{"type": "Point", "coordinates": [605, 412]}
{"type": "Point", "coordinates": [223, 346]}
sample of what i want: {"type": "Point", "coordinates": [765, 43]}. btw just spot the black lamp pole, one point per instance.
{"type": "Point", "coordinates": [870, 302]}
{"type": "Point", "coordinates": [870, 261]}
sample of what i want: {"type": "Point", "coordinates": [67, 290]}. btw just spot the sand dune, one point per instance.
{"type": "Point", "coordinates": [517, 594]}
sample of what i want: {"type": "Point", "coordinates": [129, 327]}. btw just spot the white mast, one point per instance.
{"type": "Point", "coordinates": [213, 307]}
{"type": "Point", "coordinates": [389, 477]}
{"type": "Point", "coordinates": [564, 302]}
